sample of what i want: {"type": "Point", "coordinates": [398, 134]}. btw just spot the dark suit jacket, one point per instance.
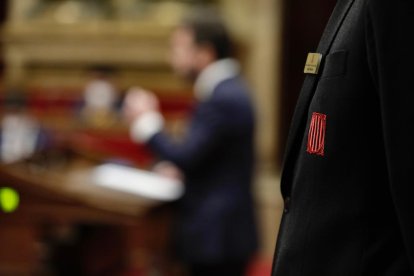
{"type": "Point", "coordinates": [348, 171]}
{"type": "Point", "coordinates": [216, 220]}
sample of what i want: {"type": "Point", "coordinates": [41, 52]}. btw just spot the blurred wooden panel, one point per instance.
{"type": "Point", "coordinates": [65, 223]}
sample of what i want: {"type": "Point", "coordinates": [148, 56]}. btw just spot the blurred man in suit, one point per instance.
{"type": "Point", "coordinates": [216, 232]}
{"type": "Point", "coordinates": [347, 180]}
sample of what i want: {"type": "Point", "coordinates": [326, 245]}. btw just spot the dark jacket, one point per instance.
{"type": "Point", "coordinates": [348, 172]}
{"type": "Point", "coordinates": [216, 221]}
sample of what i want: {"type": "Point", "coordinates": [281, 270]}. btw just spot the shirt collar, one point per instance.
{"type": "Point", "coordinates": [213, 75]}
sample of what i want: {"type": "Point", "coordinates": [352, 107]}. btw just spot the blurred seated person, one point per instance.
{"type": "Point", "coordinates": [99, 100]}
{"type": "Point", "coordinates": [215, 232]}
{"type": "Point", "coordinates": [20, 135]}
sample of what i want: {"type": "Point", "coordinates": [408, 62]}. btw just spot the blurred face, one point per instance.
{"type": "Point", "coordinates": [183, 53]}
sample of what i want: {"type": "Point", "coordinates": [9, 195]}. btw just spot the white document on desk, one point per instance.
{"type": "Point", "coordinates": [138, 182]}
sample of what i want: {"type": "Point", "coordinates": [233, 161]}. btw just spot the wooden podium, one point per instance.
{"type": "Point", "coordinates": [65, 225]}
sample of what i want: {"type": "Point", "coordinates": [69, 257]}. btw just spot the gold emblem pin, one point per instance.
{"type": "Point", "coordinates": [312, 63]}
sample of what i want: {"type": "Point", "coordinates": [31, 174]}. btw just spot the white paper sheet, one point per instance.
{"type": "Point", "coordinates": [139, 182]}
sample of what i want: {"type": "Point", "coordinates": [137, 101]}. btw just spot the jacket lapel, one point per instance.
{"type": "Point", "coordinates": [299, 118]}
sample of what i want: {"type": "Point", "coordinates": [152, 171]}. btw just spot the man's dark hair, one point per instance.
{"type": "Point", "coordinates": [209, 29]}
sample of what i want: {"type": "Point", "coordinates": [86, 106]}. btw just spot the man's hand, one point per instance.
{"type": "Point", "coordinates": [169, 170]}
{"type": "Point", "coordinates": [138, 102]}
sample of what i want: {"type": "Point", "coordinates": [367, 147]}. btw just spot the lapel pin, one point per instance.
{"type": "Point", "coordinates": [316, 136]}
{"type": "Point", "coordinates": [312, 63]}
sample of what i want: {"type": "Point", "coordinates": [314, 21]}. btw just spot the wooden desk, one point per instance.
{"type": "Point", "coordinates": [121, 233]}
